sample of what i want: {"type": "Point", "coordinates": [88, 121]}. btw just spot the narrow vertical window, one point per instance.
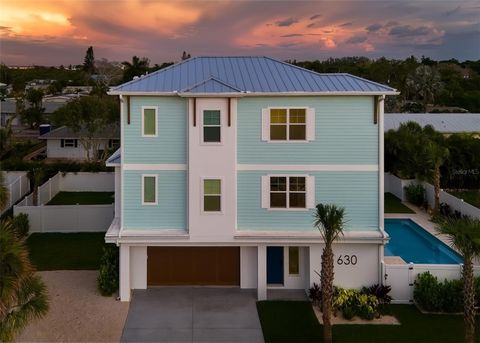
{"type": "Point", "coordinates": [278, 192]}
{"type": "Point", "coordinates": [297, 192]}
{"type": "Point", "coordinates": [149, 190]}
{"type": "Point", "coordinates": [149, 122]}
{"type": "Point", "coordinates": [278, 124]}
{"type": "Point", "coordinates": [212, 195]}
{"type": "Point", "coordinates": [298, 126]}
{"type": "Point", "coordinates": [293, 261]}
{"type": "Point", "coordinates": [211, 126]}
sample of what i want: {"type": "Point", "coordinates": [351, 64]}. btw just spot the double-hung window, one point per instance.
{"type": "Point", "coordinates": [288, 124]}
{"type": "Point", "coordinates": [149, 121]}
{"type": "Point", "coordinates": [149, 190]}
{"type": "Point", "coordinates": [288, 192]}
{"type": "Point", "coordinates": [212, 126]}
{"type": "Point", "coordinates": [212, 195]}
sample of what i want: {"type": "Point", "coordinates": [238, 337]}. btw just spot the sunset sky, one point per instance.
{"type": "Point", "coordinates": [59, 31]}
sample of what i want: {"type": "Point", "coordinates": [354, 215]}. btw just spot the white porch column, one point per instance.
{"type": "Point", "coordinates": [124, 272]}
{"type": "Point", "coordinates": [118, 180]}
{"type": "Point", "coordinates": [315, 258]}
{"type": "Point", "coordinates": [262, 272]}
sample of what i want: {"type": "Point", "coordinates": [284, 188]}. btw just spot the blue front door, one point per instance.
{"type": "Point", "coordinates": [274, 265]}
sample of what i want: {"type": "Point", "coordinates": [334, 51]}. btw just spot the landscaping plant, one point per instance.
{"type": "Point", "coordinates": [329, 221]}
{"type": "Point", "coordinates": [464, 235]}
{"type": "Point", "coordinates": [107, 280]}
{"type": "Point", "coordinates": [315, 295]}
{"type": "Point", "coordinates": [415, 194]}
{"type": "Point", "coordinates": [23, 295]}
{"type": "Point", "coordinates": [3, 192]}
{"type": "Point", "coordinates": [21, 225]}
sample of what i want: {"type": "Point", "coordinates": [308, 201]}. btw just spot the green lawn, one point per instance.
{"type": "Point", "coordinates": [66, 251]}
{"type": "Point", "coordinates": [471, 196]}
{"type": "Point", "coordinates": [394, 205]}
{"type": "Point", "coordinates": [82, 198]}
{"type": "Point", "coordinates": [295, 321]}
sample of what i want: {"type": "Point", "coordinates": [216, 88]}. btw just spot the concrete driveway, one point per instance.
{"type": "Point", "coordinates": [193, 314]}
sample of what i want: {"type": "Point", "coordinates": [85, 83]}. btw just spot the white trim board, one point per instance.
{"type": "Point", "coordinates": [133, 166]}
{"type": "Point", "coordinates": [308, 167]}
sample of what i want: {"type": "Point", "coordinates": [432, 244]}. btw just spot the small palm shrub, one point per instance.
{"type": "Point", "coordinates": [107, 280]}
{"type": "Point", "coordinates": [415, 194]}
{"type": "Point", "coordinates": [351, 303]}
{"type": "Point", "coordinates": [21, 225]}
{"type": "Point", "coordinates": [315, 294]}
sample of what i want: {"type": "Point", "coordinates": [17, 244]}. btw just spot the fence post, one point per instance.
{"type": "Point", "coordinates": [411, 281]}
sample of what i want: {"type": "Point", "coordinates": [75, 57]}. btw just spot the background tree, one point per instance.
{"type": "Point", "coordinates": [23, 294]}
{"type": "Point", "coordinates": [185, 56]}
{"type": "Point", "coordinates": [329, 221]}
{"type": "Point", "coordinates": [6, 137]}
{"type": "Point", "coordinates": [426, 84]}
{"type": "Point", "coordinates": [88, 117]}
{"type": "Point", "coordinates": [464, 235]}
{"type": "Point", "coordinates": [137, 67]}
{"type": "Point", "coordinates": [89, 61]}
{"type": "Point", "coordinates": [3, 192]}
{"type": "Point", "coordinates": [33, 113]}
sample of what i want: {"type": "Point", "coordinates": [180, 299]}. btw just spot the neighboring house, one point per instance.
{"type": "Point", "coordinates": [222, 162]}
{"type": "Point", "coordinates": [66, 144]}
{"type": "Point", "coordinates": [8, 109]}
{"type": "Point", "coordinates": [446, 123]}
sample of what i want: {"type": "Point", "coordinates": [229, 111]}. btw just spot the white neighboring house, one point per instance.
{"type": "Point", "coordinates": [64, 143]}
{"type": "Point", "coordinates": [446, 123]}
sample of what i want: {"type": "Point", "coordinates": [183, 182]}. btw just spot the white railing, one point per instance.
{"type": "Point", "coordinates": [396, 186]}
{"type": "Point", "coordinates": [49, 189]}
{"type": "Point", "coordinates": [401, 277]}
{"type": "Point", "coordinates": [17, 184]}
{"type": "Point", "coordinates": [67, 218]}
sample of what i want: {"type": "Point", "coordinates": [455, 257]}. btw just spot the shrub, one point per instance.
{"type": "Point", "coordinates": [21, 225]}
{"type": "Point", "coordinates": [351, 302]}
{"type": "Point", "coordinates": [315, 294]}
{"type": "Point", "coordinates": [379, 291]}
{"type": "Point", "coordinates": [415, 194]}
{"type": "Point", "coordinates": [107, 281]}
{"type": "Point", "coordinates": [452, 295]}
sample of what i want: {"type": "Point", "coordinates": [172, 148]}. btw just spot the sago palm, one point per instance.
{"type": "Point", "coordinates": [22, 294]}
{"type": "Point", "coordinates": [464, 235]}
{"type": "Point", "coordinates": [329, 221]}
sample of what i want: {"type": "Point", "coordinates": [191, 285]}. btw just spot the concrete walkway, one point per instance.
{"type": "Point", "coordinates": [193, 314]}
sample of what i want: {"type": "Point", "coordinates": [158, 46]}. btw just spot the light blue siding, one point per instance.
{"type": "Point", "coordinates": [171, 211]}
{"type": "Point", "coordinates": [345, 133]}
{"type": "Point", "coordinates": [356, 191]}
{"type": "Point", "coordinates": [170, 146]}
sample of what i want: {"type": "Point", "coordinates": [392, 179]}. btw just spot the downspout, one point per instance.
{"type": "Point", "coordinates": [379, 105]}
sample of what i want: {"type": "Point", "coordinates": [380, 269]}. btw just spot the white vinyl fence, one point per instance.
{"type": "Point", "coordinates": [18, 185]}
{"type": "Point", "coordinates": [69, 218]}
{"type": "Point", "coordinates": [401, 277]}
{"type": "Point", "coordinates": [396, 186]}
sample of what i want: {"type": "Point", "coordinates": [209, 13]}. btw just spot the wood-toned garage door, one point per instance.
{"type": "Point", "coordinates": [193, 266]}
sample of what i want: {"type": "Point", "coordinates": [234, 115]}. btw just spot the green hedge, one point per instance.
{"type": "Point", "coordinates": [447, 296]}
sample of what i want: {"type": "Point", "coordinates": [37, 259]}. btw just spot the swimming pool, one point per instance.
{"type": "Point", "coordinates": [413, 244]}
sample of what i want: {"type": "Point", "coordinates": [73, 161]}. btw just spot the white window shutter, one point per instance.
{"type": "Point", "coordinates": [310, 192]}
{"type": "Point", "coordinates": [310, 124]}
{"type": "Point", "coordinates": [265, 124]}
{"type": "Point", "coordinates": [265, 191]}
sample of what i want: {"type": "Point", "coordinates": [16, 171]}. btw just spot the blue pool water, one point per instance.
{"type": "Point", "coordinates": [414, 244]}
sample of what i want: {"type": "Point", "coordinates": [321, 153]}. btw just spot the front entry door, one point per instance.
{"type": "Point", "coordinates": [275, 265]}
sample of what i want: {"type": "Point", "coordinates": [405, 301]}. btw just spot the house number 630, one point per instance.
{"type": "Point", "coordinates": [347, 260]}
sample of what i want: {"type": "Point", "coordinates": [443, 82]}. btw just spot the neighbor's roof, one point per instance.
{"type": "Point", "coordinates": [114, 160]}
{"type": "Point", "coordinates": [63, 132]}
{"type": "Point", "coordinates": [11, 106]}
{"type": "Point", "coordinates": [442, 122]}
{"type": "Point", "coordinates": [241, 76]}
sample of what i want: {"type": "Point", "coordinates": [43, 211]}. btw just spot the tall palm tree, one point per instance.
{"type": "Point", "coordinates": [3, 192]}
{"type": "Point", "coordinates": [329, 221]}
{"type": "Point", "coordinates": [464, 234]}
{"type": "Point", "coordinates": [22, 293]}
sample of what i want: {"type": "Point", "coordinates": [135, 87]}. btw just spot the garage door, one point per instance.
{"type": "Point", "coordinates": [193, 266]}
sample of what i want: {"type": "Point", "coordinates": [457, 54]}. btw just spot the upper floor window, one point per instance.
{"type": "Point", "coordinates": [292, 124]}
{"type": "Point", "coordinates": [149, 189]}
{"type": "Point", "coordinates": [212, 195]}
{"type": "Point", "coordinates": [211, 126]}
{"type": "Point", "coordinates": [149, 121]}
{"type": "Point", "coordinates": [288, 192]}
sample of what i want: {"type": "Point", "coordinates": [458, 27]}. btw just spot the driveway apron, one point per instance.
{"type": "Point", "coordinates": [193, 314]}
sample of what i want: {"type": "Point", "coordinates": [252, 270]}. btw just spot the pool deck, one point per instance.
{"type": "Point", "coordinates": [422, 219]}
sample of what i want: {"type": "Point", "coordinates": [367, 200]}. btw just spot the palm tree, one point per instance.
{"type": "Point", "coordinates": [3, 192]}
{"type": "Point", "coordinates": [464, 235]}
{"type": "Point", "coordinates": [36, 176]}
{"type": "Point", "coordinates": [329, 221]}
{"type": "Point", "coordinates": [137, 67]}
{"type": "Point", "coordinates": [22, 293]}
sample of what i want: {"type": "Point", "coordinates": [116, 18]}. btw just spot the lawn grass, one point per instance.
{"type": "Point", "coordinates": [394, 205]}
{"type": "Point", "coordinates": [295, 321]}
{"type": "Point", "coordinates": [66, 251]}
{"type": "Point", "coordinates": [82, 198]}
{"type": "Point", "coordinates": [471, 196]}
